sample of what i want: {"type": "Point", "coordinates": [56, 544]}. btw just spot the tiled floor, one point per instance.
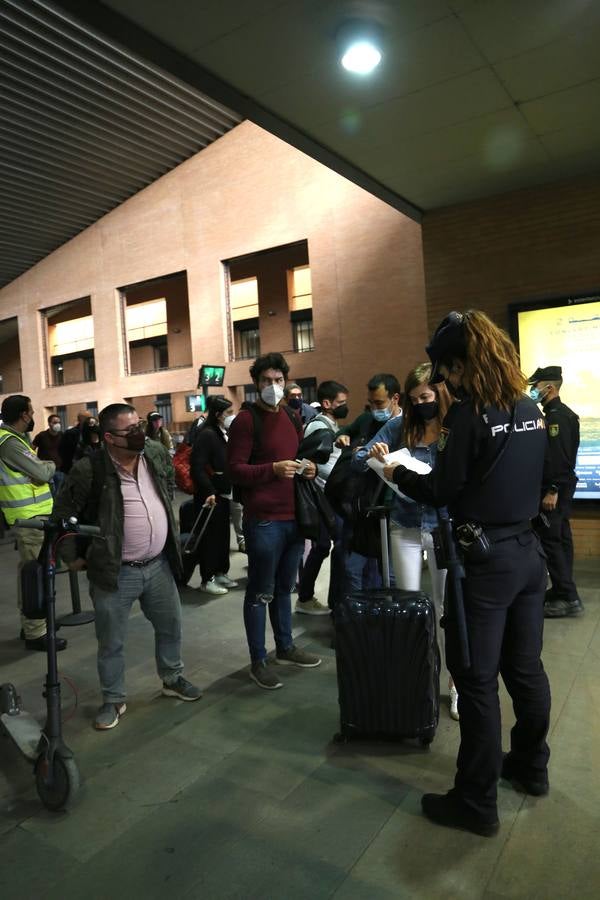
{"type": "Point", "coordinates": [244, 795]}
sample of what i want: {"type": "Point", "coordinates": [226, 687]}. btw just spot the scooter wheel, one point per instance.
{"type": "Point", "coordinates": [57, 789]}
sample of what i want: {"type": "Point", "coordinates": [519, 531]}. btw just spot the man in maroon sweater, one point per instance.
{"type": "Point", "coordinates": [264, 465]}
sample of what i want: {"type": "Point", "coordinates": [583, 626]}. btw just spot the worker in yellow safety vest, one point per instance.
{"type": "Point", "coordinates": [24, 493]}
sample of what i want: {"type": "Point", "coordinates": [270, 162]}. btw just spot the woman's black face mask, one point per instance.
{"type": "Point", "coordinates": [426, 411]}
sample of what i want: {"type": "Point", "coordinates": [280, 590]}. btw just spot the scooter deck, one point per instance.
{"type": "Point", "coordinates": [25, 732]}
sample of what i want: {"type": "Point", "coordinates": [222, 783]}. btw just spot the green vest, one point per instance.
{"type": "Point", "coordinates": [19, 497]}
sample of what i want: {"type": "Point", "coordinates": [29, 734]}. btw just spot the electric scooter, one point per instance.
{"type": "Point", "coordinates": [55, 769]}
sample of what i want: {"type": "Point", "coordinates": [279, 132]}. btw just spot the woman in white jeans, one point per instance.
{"type": "Point", "coordinates": [418, 429]}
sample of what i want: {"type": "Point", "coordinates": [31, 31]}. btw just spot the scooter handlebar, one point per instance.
{"type": "Point", "coordinates": [68, 526]}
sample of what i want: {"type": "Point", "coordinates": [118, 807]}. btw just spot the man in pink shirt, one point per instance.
{"type": "Point", "coordinates": [125, 490]}
{"type": "Point", "coordinates": [262, 451]}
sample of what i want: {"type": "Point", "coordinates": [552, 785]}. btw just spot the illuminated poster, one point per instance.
{"type": "Point", "coordinates": [569, 336]}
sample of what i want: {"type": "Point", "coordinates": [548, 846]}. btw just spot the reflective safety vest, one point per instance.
{"type": "Point", "coordinates": [19, 497]}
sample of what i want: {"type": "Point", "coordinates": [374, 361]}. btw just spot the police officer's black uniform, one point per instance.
{"type": "Point", "coordinates": [503, 595]}
{"type": "Point", "coordinates": [562, 427]}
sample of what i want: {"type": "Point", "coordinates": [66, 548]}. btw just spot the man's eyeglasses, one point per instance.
{"type": "Point", "coordinates": [123, 432]}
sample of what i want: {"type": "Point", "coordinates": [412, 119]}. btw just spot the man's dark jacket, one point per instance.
{"type": "Point", "coordinates": [92, 493]}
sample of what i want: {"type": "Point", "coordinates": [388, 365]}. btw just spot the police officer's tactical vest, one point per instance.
{"type": "Point", "coordinates": [19, 497]}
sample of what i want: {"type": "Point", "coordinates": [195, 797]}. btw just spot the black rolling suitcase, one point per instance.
{"type": "Point", "coordinates": [388, 661]}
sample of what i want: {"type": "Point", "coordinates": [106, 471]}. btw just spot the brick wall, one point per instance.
{"type": "Point", "coordinates": [529, 244]}
{"type": "Point", "coordinates": [246, 193]}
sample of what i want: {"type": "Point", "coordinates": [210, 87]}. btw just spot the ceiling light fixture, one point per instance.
{"type": "Point", "coordinates": [359, 44]}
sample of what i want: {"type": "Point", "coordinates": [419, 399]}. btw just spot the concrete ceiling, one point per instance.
{"type": "Point", "coordinates": [473, 98]}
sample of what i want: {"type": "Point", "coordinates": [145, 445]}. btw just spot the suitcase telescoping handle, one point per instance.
{"type": "Point", "coordinates": [381, 512]}
{"type": "Point", "coordinates": [197, 532]}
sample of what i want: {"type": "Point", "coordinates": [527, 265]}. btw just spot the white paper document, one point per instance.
{"type": "Point", "coordinates": [399, 456]}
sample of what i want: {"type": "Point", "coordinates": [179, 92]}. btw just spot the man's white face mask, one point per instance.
{"type": "Point", "coordinates": [272, 394]}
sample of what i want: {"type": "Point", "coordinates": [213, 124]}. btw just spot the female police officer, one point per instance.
{"type": "Point", "coordinates": [488, 473]}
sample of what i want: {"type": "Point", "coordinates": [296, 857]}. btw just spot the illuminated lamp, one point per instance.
{"type": "Point", "coordinates": [360, 46]}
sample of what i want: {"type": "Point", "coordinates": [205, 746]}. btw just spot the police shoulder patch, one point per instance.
{"type": "Point", "coordinates": [553, 430]}
{"type": "Point", "coordinates": [443, 439]}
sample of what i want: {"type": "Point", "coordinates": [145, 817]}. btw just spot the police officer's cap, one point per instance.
{"type": "Point", "coordinates": [447, 343]}
{"type": "Point", "coordinates": [550, 373]}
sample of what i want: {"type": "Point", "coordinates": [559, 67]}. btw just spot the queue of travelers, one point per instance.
{"type": "Point", "coordinates": [117, 472]}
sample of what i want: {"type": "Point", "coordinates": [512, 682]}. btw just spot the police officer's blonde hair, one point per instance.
{"type": "Point", "coordinates": [492, 368]}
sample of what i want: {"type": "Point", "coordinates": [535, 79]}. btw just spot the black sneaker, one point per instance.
{"type": "Point", "coordinates": [536, 785]}
{"type": "Point", "coordinates": [182, 689]}
{"type": "Point", "coordinates": [41, 643]}
{"type": "Point", "coordinates": [560, 609]}
{"type": "Point", "coordinates": [449, 810]}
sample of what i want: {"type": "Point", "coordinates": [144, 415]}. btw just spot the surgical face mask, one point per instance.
{"type": "Point", "coordinates": [426, 411]}
{"type": "Point", "coordinates": [340, 412]}
{"type": "Point", "coordinates": [295, 402]}
{"type": "Point", "coordinates": [537, 394]}
{"type": "Point", "coordinates": [382, 415]}
{"type": "Point", "coordinates": [272, 394]}
{"type": "Point", "coordinates": [227, 422]}
{"type": "Point", "coordinates": [55, 427]}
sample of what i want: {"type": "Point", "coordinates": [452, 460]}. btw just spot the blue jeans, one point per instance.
{"type": "Point", "coordinates": [361, 572]}
{"type": "Point", "coordinates": [274, 550]}
{"type": "Point", "coordinates": [154, 586]}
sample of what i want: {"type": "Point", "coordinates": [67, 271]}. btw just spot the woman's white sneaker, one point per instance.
{"type": "Point", "coordinates": [225, 581]}
{"type": "Point", "coordinates": [212, 587]}
{"type": "Point", "coordinates": [454, 704]}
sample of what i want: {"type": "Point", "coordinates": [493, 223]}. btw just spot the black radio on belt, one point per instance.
{"type": "Point", "coordinates": [473, 542]}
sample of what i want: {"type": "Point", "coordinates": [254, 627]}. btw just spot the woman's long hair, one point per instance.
{"type": "Point", "coordinates": [215, 405]}
{"type": "Point", "coordinates": [492, 368]}
{"type": "Point", "coordinates": [414, 426]}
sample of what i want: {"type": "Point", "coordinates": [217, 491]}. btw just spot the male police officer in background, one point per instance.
{"type": "Point", "coordinates": [558, 487]}
{"type": "Point", "coordinates": [488, 472]}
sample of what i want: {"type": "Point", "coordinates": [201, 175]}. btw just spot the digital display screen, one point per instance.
{"type": "Point", "coordinates": [567, 334]}
{"type": "Point", "coordinates": [211, 376]}
{"type": "Point", "coordinates": [195, 403]}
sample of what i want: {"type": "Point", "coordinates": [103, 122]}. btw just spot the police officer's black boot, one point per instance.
{"type": "Point", "coordinates": [537, 784]}
{"type": "Point", "coordinates": [450, 810]}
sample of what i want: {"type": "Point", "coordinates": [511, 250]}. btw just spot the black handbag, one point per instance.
{"type": "Point", "coordinates": [312, 509]}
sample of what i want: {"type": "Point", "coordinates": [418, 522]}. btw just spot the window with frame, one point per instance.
{"type": "Point", "coordinates": [309, 389]}
{"type": "Point", "coordinates": [300, 305]}
{"type": "Point", "coordinates": [247, 339]}
{"type": "Point", "coordinates": [302, 331]}
{"type": "Point", "coordinates": [161, 355]}
{"type": "Point", "coordinates": [250, 393]}
{"type": "Point", "coordinates": [163, 406]}
{"type": "Point", "coordinates": [243, 301]}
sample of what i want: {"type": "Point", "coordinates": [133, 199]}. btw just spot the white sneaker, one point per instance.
{"type": "Point", "coordinates": [211, 587]}
{"type": "Point", "coordinates": [454, 704]}
{"type": "Point", "coordinates": [225, 581]}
